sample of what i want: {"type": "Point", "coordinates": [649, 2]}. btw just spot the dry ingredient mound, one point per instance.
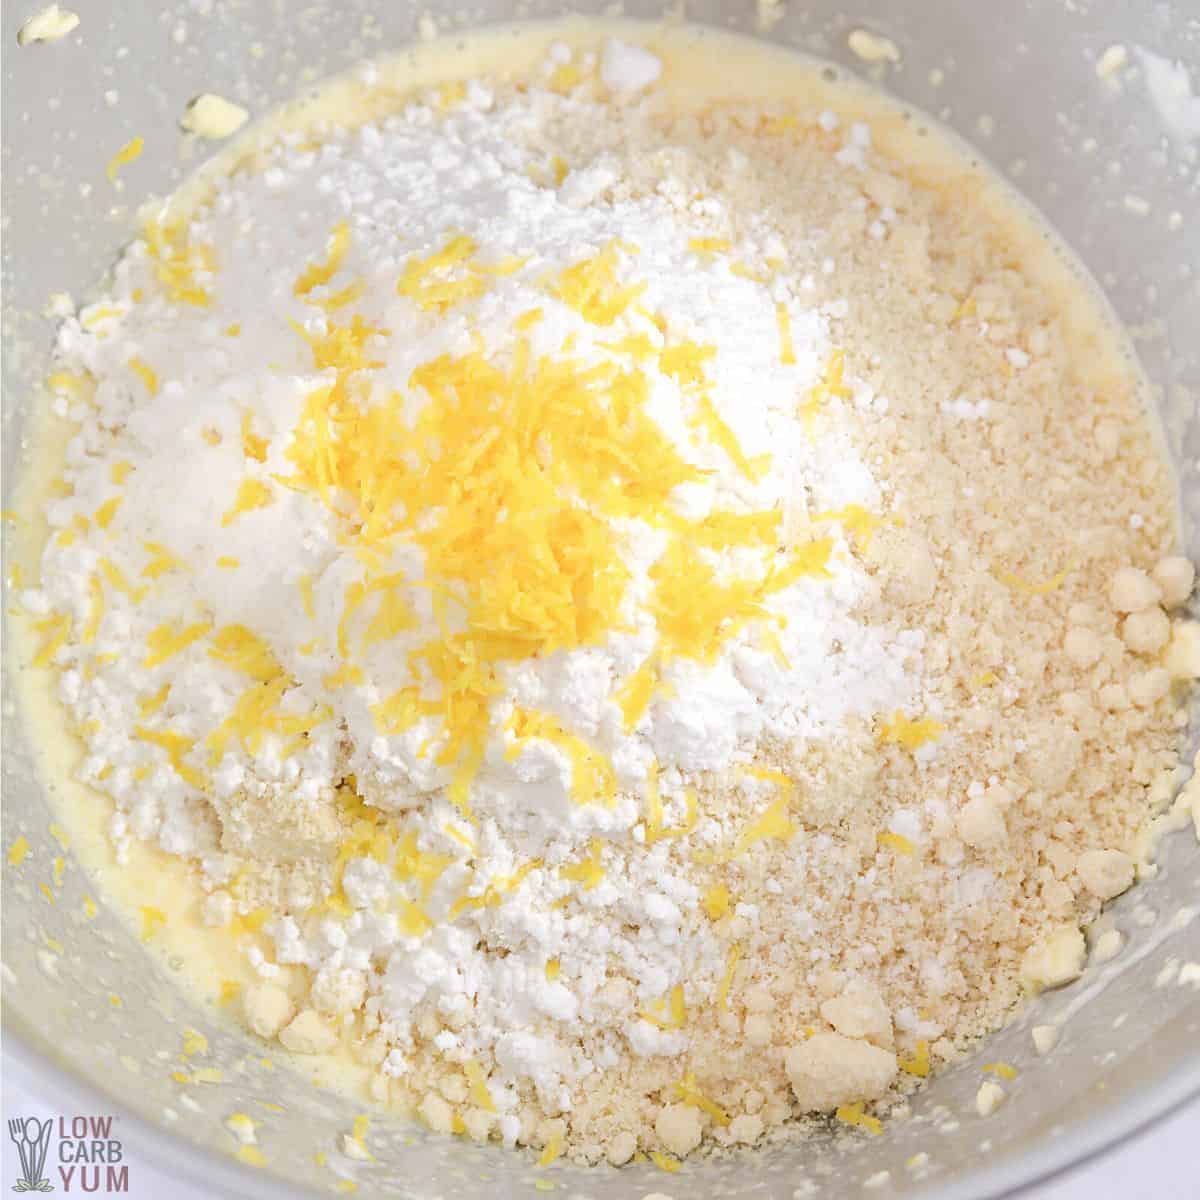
{"type": "Point", "coordinates": [632, 610]}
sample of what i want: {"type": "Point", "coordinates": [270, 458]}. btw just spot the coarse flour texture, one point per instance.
{"type": "Point", "coordinates": [633, 613]}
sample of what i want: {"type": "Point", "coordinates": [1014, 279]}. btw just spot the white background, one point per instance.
{"type": "Point", "coordinates": [1162, 1163]}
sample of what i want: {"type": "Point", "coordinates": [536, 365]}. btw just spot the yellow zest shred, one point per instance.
{"type": "Point", "coordinates": [690, 1094]}
{"type": "Point", "coordinates": [116, 578]}
{"type": "Point", "coordinates": [18, 852]}
{"type": "Point", "coordinates": [97, 611]}
{"type": "Point", "coordinates": [57, 628]}
{"type": "Point", "coordinates": [81, 385]}
{"type": "Point", "coordinates": [897, 842]}
{"type": "Point", "coordinates": [716, 902]}
{"type": "Point", "coordinates": [120, 472]}
{"type": "Point", "coordinates": [552, 1150]}
{"type": "Point", "coordinates": [177, 260]}
{"type": "Point", "coordinates": [243, 650]}
{"type": "Point", "coordinates": [771, 824]}
{"type": "Point", "coordinates": [319, 273]}
{"type": "Point", "coordinates": [305, 583]}
{"type": "Point", "coordinates": [228, 562]}
{"type": "Point", "coordinates": [416, 865]}
{"type": "Point", "coordinates": [832, 384]}
{"type": "Point", "coordinates": [194, 1042]}
{"type": "Point", "coordinates": [445, 278]}
{"type": "Point", "coordinates": [1002, 1069]}
{"type": "Point", "coordinates": [853, 1114]}
{"type": "Point", "coordinates": [1017, 584]}
{"type": "Point", "coordinates": [708, 419]}
{"type": "Point", "coordinates": [90, 908]}
{"type": "Point", "coordinates": [251, 1155]}
{"type": "Point", "coordinates": [251, 494]}
{"type": "Point", "coordinates": [564, 78]}
{"type": "Point", "coordinates": [670, 1012]}
{"type": "Point", "coordinates": [153, 919]}
{"type": "Point", "coordinates": [787, 349]}
{"type": "Point", "coordinates": [459, 836]}
{"type": "Point", "coordinates": [131, 151]}
{"type": "Point", "coordinates": [176, 745]}
{"type": "Point", "coordinates": [146, 373]}
{"type": "Point", "coordinates": [731, 962]}
{"type": "Point", "coordinates": [480, 1096]}
{"type": "Point", "coordinates": [104, 514]}
{"type": "Point", "coordinates": [230, 990]}
{"type": "Point", "coordinates": [553, 969]}
{"type": "Point", "coordinates": [161, 562]}
{"type": "Point", "coordinates": [909, 734]}
{"type": "Point", "coordinates": [170, 638]}
{"type": "Point", "coordinates": [148, 705]}
{"type": "Point", "coordinates": [706, 247]}
{"type": "Point", "coordinates": [685, 363]}
{"type": "Point", "coordinates": [655, 831]}
{"type": "Point", "coordinates": [590, 287]}
{"type": "Point", "coordinates": [259, 712]}
{"type": "Point", "coordinates": [636, 692]}
{"type": "Point", "coordinates": [496, 889]}
{"type": "Point", "coordinates": [592, 777]}
{"type": "Point", "coordinates": [588, 871]}
{"type": "Point", "coordinates": [916, 1063]}
{"type": "Point", "coordinates": [696, 613]}
{"type": "Point", "coordinates": [253, 446]}
{"type": "Point", "coordinates": [664, 1162]}
{"type": "Point", "coordinates": [856, 520]}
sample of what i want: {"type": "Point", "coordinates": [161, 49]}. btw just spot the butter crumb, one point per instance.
{"type": "Point", "coordinates": [989, 1098]}
{"type": "Point", "coordinates": [1055, 960]}
{"type": "Point", "coordinates": [872, 47]}
{"type": "Point", "coordinates": [213, 117]}
{"type": "Point", "coordinates": [1111, 61]}
{"type": "Point", "coordinates": [1146, 632]}
{"type": "Point", "coordinates": [1175, 576]}
{"type": "Point", "coordinates": [308, 1033]}
{"type": "Point", "coordinates": [829, 1070]}
{"type": "Point", "coordinates": [48, 25]}
{"type": "Point", "coordinates": [268, 1008]}
{"type": "Point", "coordinates": [1045, 1038]}
{"type": "Point", "coordinates": [1107, 946]}
{"type": "Point", "coordinates": [678, 1128]}
{"type": "Point", "coordinates": [1131, 590]}
{"type": "Point", "coordinates": [1105, 873]}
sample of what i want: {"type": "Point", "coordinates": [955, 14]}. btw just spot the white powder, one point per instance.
{"type": "Point", "coordinates": [626, 68]}
{"type": "Point", "coordinates": [1170, 90]}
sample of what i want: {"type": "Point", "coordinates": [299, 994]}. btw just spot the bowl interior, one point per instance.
{"type": "Point", "coordinates": [1020, 82]}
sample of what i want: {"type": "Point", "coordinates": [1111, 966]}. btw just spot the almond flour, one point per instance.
{"type": "Point", "coordinates": [640, 614]}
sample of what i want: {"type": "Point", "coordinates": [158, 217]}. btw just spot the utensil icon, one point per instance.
{"type": "Point", "coordinates": [32, 1140]}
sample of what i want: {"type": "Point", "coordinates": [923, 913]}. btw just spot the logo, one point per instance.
{"type": "Point", "coordinates": [32, 1138]}
{"type": "Point", "coordinates": [87, 1157]}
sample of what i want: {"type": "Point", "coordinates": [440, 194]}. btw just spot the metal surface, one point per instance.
{"type": "Point", "coordinates": [1075, 145]}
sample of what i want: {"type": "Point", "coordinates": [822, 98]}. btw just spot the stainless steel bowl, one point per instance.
{"type": "Point", "coordinates": [1020, 82]}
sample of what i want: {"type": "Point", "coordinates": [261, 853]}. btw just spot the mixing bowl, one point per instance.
{"type": "Point", "coordinates": [1091, 147]}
